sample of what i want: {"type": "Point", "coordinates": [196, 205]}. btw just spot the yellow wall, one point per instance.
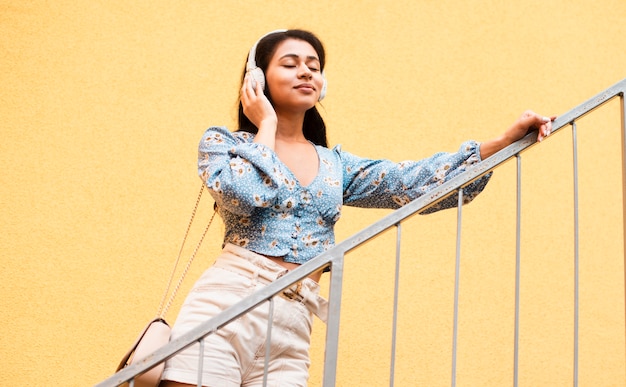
{"type": "Point", "coordinates": [102, 104]}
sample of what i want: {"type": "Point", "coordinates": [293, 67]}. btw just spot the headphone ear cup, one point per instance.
{"type": "Point", "coordinates": [323, 91]}
{"type": "Point", "coordinates": [257, 76]}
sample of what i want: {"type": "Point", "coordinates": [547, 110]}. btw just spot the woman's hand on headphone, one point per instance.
{"type": "Point", "coordinates": [256, 106]}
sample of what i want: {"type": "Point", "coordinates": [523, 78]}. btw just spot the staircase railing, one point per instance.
{"type": "Point", "coordinates": [334, 258]}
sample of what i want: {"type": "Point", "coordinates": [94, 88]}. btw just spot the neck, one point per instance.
{"type": "Point", "coordinates": [290, 128]}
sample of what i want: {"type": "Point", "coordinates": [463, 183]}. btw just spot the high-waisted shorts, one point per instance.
{"type": "Point", "coordinates": [235, 354]}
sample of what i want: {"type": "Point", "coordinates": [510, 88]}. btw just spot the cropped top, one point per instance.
{"type": "Point", "coordinates": [266, 210]}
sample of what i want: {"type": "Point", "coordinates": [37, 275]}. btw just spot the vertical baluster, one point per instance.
{"type": "Point", "coordinates": [200, 361]}
{"type": "Point", "coordinates": [395, 305]}
{"type": "Point", "coordinates": [576, 251]}
{"type": "Point", "coordinates": [456, 284]}
{"type": "Point", "coordinates": [518, 243]}
{"type": "Point", "coordinates": [623, 118]}
{"type": "Point", "coordinates": [268, 340]}
{"type": "Point", "coordinates": [332, 325]}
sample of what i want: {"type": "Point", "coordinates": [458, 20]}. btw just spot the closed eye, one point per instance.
{"type": "Point", "coordinates": [312, 62]}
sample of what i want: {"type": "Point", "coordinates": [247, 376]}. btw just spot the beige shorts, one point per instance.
{"type": "Point", "coordinates": [235, 354]}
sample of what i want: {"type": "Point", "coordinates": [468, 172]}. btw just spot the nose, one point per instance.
{"type": "Point", "coordinates": [305, 72]}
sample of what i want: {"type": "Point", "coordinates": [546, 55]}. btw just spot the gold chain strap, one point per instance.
{"type": "Point", "coordinates": [163, 309]}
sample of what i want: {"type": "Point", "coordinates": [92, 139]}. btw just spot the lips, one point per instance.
{"type": "Point", "coordinates": [305, 86]}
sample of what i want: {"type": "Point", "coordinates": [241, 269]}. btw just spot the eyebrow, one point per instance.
{"type": "Point", "coordinates": [310, 57]}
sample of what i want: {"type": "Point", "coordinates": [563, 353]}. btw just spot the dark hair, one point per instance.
{"type": "Point", "coordinates": [314, 128]}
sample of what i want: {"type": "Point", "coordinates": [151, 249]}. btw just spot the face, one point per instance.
{"type": "Point", "coordinates": [293, 76]}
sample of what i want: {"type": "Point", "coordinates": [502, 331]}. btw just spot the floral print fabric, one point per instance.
{"type": "Point", "coordinates": [266, 210]}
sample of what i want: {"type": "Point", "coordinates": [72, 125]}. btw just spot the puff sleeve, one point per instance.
{"type": "Point", "coordinates": [241, 175]}
{"type": "Point", "coordinates": [386, 184]}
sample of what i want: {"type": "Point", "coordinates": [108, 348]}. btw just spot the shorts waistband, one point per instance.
{"type": "Point", "coordinates": [256, 266]}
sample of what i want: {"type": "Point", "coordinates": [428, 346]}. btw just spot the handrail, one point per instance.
{"type": "Point", "coordinates": [333, 257]}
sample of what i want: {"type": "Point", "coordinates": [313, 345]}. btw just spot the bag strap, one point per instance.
{"type": "Point", "coordinates": [163, 306]}
{"type": "Point", "coordinates": [126, 359]}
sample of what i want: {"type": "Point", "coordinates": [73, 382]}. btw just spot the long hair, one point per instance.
{"type": "Point", "coordinates": [314, 128]}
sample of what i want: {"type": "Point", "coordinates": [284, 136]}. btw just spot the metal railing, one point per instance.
{"type": "Point", "coordinates": [334, 258]}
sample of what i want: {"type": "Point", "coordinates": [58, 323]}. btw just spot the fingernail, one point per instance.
{"type": "Point", "coordinates": [546, 119]}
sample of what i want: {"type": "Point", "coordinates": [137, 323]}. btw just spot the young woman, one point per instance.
{"type": "Point", "coordinates": [279, 190]}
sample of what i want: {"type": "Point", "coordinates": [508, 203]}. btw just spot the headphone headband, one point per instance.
{"type": "Point", "coordinates": [251, 64]}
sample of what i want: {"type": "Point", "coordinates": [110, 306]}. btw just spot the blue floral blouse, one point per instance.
{"type": "Point", "coordinates": [266, 210]}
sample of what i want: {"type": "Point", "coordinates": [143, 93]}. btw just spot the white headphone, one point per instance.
{"type": "Point", "coordinates": [257, 73]}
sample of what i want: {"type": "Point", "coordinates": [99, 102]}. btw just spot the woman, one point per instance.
{"type": "Point", "coordinates": [279, 190]}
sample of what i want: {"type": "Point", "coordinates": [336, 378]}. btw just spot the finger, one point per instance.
{"type": "Point", "coordinates": [244, 87]}
{"type": "Point", "coordinates": [549, 127]}
{"type": "Point", "coordinates": [541, 133]}
{"type": "Point", "coordinates": [539, 122]}
{"type": "Point", "coordinates": [248, 91]}
{"type": "Point", "coordinates": [250, 84]}
{"type": "Point", "coordinates": [546, 127]}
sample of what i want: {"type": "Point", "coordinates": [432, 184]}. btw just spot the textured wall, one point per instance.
{"type": "Point", "coordinates": [102, 104]}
